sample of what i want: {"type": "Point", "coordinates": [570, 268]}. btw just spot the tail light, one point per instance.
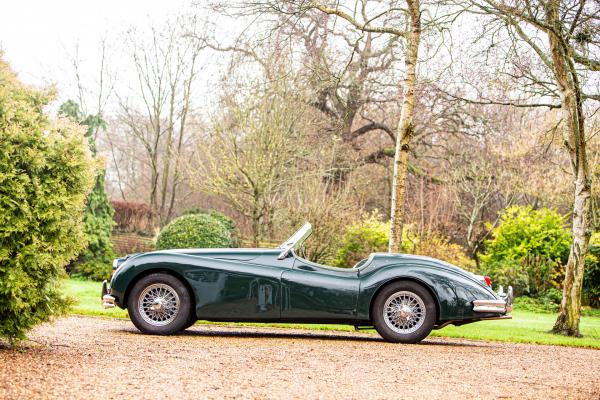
{"type": "Point", "coordinates": [488, 281]}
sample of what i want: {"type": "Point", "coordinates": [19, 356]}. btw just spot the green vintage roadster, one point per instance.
{"type": "Point", "coordinates": [403, 296]}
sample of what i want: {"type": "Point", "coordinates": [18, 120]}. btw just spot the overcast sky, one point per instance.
{"type": "Point", "coordinates": [39, 37]}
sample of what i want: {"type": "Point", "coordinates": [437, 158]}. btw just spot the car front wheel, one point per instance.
{"type": "Point", "coordinates": [404, 312]}
{"type": "Point", "coordinates": [159, 304]}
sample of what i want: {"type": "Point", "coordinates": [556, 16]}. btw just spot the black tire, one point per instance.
{"type": "Point", "coordinates": [408, 290]}
{"type": "Point", "coordinates": [191, 320]}
{"type": "Point", "coordinates": [175, 289]}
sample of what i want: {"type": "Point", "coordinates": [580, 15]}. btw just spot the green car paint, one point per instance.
{"type": "Point", "coordinates": [261, 285]}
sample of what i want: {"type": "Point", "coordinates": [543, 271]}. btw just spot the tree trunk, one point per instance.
{"type": "Point", "coordinates": [569, 87]}
{"type": "Point", "coordinates": [405, 129]}
{"type": "Point", "coordinates": [256, 230]}
{"type": "Point", "coordinates": [569, 315]}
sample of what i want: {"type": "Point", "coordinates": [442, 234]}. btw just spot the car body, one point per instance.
{"type": "Point", "coordinates": [277, 285]}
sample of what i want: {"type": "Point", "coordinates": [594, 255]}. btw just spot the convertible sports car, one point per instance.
{"type": "Point", "coordinates": [403, 296]}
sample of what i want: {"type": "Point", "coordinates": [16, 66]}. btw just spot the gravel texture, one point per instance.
{"type": "Point", "coordinates": [93, 358]}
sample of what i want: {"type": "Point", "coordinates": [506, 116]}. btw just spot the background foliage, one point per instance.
{"type": "Point", "coordinates": [222, 218]}
{"type": "Point", "coordinates": [372, 235]}
{"type": "Point", "coordinates": [528, 250]}
{"type": "Point", "coordinates": [95, 261]}
{"type": "Point", "coordinates": [591, 279]}
{"type": "Point", "coordinates": [194, 231]}
{"type": "Point", "coordinates": [46, 171]}
{"type": "Point", "coordinates": [133, 217]}
{"type": "Point", "coordinates": [361, 239]}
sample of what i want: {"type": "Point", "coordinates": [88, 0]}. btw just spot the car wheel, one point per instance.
{"type": "Point", "coordinates": [404, 312]}
{"type": "Point", "coordinates": [159, 304]}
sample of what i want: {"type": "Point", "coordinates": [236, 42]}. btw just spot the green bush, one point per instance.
{"type": "Point", "coordinates": [95, 261]}
{"type": "Point", "coordinates": [194, 231]}
{"type": "Point", "coordinates": [528, 250]}
{"type": "Point", "coordinates": [536, 305]}
{"type": "Point", "coordinates": [219, 216]}
{"type": "Point", "coordinates": [437, 246]}
{"type": "Point", "coordinates": [372, 235]}
{"type": "Point", "coordinates": [591, 277]}
{"type": "Point", "coordinates": [362, 239]}
{"type": "Point", "coordinates": [548, 304]}
{"type": "Point", "coordinates": [46, 171]}
{"type": "Point", "coordinates": [552, 296]}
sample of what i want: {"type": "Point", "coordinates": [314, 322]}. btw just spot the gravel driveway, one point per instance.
{"type": "Point", "coordinates": [93, 358]}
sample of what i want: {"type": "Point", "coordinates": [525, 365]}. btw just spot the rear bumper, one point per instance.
{"type": "Point", "coordinates": [502, 305]}
{"type": "Point", "coordinates": [108, 301]}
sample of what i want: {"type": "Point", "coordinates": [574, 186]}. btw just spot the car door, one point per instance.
{"type": "Point", "coordinates": [316, 293]}
{"type": "Point", "coordinates": [248, 291]}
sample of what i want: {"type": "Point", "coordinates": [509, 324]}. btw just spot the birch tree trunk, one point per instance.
{"type": "Point", "coordinates": [405, 128]}
{"type": "Point", "coordinates": [567, 79]}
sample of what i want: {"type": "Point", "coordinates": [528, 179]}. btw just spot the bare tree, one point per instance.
{"type": "Point", "coordinates": [346, 75]}
{"type": "Point", "coordinates": [251, 153]}
{"type": "Point", "coordinates": [410, 31]}
{"type": "Point", "coordinates": [158, 113]}
{"type": "Point", "coordinates": [328, 206]}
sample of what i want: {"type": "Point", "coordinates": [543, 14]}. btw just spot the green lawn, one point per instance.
{"type": "Point", "coordinates": [525, 327]}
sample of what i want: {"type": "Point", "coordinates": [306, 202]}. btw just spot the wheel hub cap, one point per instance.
{"type": "Point", "coordinates": [157, 306]}
{"type": "Point", "coordinates": [404, 312]}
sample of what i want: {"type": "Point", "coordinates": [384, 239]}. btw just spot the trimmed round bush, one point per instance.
{"type": "Point", "coordinates": [219, 216]}
{"type": "Point", "coordinates": [194, 231]}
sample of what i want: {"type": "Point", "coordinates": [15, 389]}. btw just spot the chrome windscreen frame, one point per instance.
{"type": "Point", "coordinates": [295, 241]}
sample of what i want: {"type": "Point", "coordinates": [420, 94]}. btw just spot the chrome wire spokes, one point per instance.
{"type": "Point", "coordinates": [158, 304]}
{"type": "Point", "coordinates": [404, 312]}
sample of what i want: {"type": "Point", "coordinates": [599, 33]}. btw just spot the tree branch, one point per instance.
{"type": "Point", "coordinates": [372, 127]}
{"type": "Point", "coordinates": [501, 103]}
{"type": "Point", "coordinates": [593, 65]}
{"type": "Point", "coordinates": [376, 156]}
{"type": "Point", "coordinates": [361, 26]}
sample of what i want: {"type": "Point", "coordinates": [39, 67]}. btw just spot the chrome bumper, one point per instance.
{"type": "Point", "coordinates": [108, 301]}
{"type": "Point", "coordinates": [501, 306]}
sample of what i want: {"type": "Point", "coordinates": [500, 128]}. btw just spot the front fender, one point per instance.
{"type": "Point", "coordinates": [135, 266]}
{"type": "Point", "coordinates": [178, 264]}
{"type": "Point", "coordinates": [453, 291]}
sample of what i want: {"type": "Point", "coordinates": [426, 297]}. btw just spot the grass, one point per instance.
{"type": "Point", "coordinates": [525, 327]}
{"type": "Point", "coordinates": [87, 294]}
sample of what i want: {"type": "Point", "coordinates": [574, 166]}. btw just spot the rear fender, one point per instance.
{"type": "Point", "coordinates": [453, 292]}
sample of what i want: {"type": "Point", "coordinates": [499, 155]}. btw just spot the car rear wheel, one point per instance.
{"type": "Point", "coordinates": [404, 312]}
{"type": "Point", "coordinates": [159, 304]}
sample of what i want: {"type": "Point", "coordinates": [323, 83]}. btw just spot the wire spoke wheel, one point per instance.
{"type": "Point", "coordinates": [158, 304]}
{"type": "Point", "coordinates": [404, 312]}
